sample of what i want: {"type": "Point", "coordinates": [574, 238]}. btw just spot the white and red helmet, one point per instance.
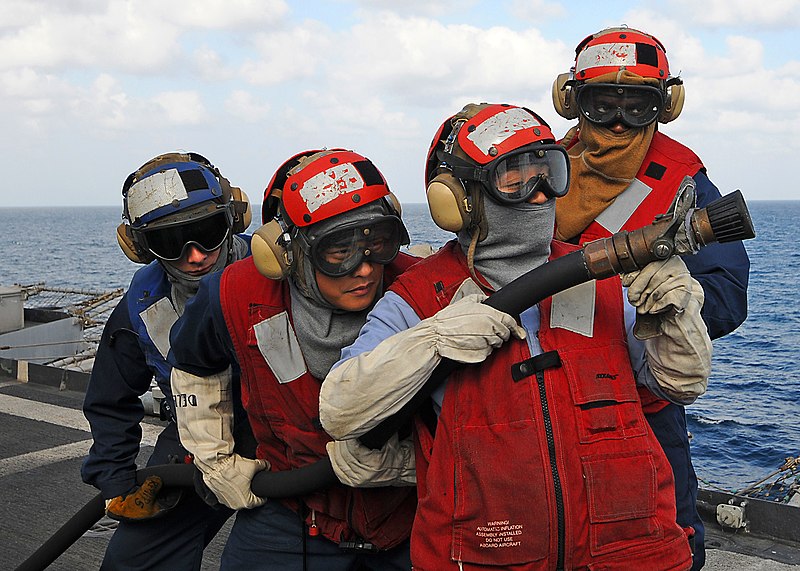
{"type": "Point", "coordinates": [487, 140]}
{"type": "Point", "coordinates": [316, 185]}
{"type": "Point", "coordinates": [313, 198]}
{"type": "Point", "coordinates": [615, 49]}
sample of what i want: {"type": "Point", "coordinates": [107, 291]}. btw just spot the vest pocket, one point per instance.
{"type": "Point", "coordinates": [607, 402]}
{"type": "Point", "coordinates": [621, 490]}
{"type": "Point", "coordinates": [497, 521]}
{"type": "Point", "coordinates": [278, 344]}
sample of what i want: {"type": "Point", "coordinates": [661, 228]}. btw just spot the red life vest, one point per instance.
{"type": "Point", "coordinates": [285, 416]}
{"type": "Point", "coordinates": [664, 166]}
{"type": "Point", "coordinates": [536, 460]}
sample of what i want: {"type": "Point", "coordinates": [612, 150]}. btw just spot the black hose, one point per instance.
{"type": "Point", "coordinates": [540, 283]}
{"type": "Point", "coordinates": [297, 482]}
{"type": "Point", "coordinates": [66, 535]}
{"type": "Point", "coordinates": [275, 485]}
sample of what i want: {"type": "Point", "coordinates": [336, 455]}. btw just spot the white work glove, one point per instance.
{"type": "Point", "coordinates": [661, 286]}
{"type": "Point", "coordinates": [230, 479]}
{"type": "Point", "coordinates": [361, 392]}
{"type": "Point", "coordinates": [205, 420]}
{"type": "Point", "coordinates": [360, 467]}
{"type": "Point", "coordinates": [468, 331]}
{"type": "Point", "coordinates": [679, 349]}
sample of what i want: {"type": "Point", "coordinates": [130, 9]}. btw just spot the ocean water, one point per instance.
{"type": "Point", "coordinates": [743, 428]}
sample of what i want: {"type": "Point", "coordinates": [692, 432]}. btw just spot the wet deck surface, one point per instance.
{"type": "Point", "coordinates": [46, 438]}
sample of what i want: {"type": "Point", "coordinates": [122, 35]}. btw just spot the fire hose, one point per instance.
{"type": "Point", "coordinates": [683, 230]}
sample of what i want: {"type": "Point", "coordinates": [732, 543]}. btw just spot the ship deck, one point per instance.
{"type": "Point", "coordinates": [47, 438]}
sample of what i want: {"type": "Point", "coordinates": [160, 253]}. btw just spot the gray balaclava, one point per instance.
{"type": "Point", "coordinates": [518, 240]}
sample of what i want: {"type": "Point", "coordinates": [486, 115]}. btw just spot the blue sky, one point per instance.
{"type": "Point", "coordinates": [91, 89]}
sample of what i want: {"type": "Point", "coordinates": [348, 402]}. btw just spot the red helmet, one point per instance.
{"type": "Point", "coordinates": [316, 185]}
{"type": "Point", "coordinates": [615, 49]}
{"type": "Point", "coordinates": [629, 65]}
{"type": "Point", "coordinates": [310, 202]}
{"type": "Point", "coordinates": [482, 141]}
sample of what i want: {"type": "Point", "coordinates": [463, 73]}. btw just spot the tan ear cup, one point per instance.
{"type": "Point", "coordinates": [448, 202]}
{"type": "Point", "coordinates": [242, 213]}
{"type": "Point", "coordinates": [674, 104]}
{"type": "Point", "coordinates": [128, 246]}
{"type": "Point", "coordinates": [564, 97]}
{"type": "Point", "coordinates": [395, 204]}
{"type": "Point", "coordinates": [271, 259]}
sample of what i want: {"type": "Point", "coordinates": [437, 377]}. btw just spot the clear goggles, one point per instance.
{"type": "Point", "coordinates": [609, 103]}
{"type": "Point", "coordinates": [518, 175]}
{"type": "Point", "coordinates": [169, 243]}
{"type": "Point", "coordinates": [339, 252]}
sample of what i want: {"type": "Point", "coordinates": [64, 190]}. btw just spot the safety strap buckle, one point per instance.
{"type": "Point", "coordinates": [358, 546]}
{"type": "Point", "coordinates": [528, 367]}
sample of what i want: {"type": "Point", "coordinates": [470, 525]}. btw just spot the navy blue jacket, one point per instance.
{"type": "Point", "coordinates": [125, 365]}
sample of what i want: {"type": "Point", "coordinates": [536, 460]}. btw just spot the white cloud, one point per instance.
{"type": "Point", "coordinates": [181, 107]}
{"type": "Point", "coordinates": [104, 105]}
{"type": "Point", "coordinates": [421, 62]}
{"type": "Point", "coordinates": [116, 37]}
{"type": "Point", "coordinates": [243, 105]}
{"type": "Point", "coordinates": [248, 82]}
{"type": "Point", "coordinates": [432, 8]}
{"type": "Point", "coordinates": [537, 11]}
{"type": "Point", "coordinates": [288, 55]}
{"type": "Point", "coordinates": [211, 66]}
{"type": "Point", "coordinates": [139, 37]}
{"type": "Point", "coordinates": [716, 13]}
{"type": "Point", "coordinates": [218, 14]}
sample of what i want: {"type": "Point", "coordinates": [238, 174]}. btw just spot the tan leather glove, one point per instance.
{"type": "Point", "coordinates": [468, 331]}
{"type": "Point", "coordinates": [361, 392]}
{"type": "Point", "coordinates": [360, 467]}
{"type": "Point", "coordinates": [138, 504]}
{"type": "Point", "coordinates": [679, 349]}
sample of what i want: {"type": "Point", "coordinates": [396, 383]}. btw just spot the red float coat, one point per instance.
{"type": "Point", "coordinates": [664, 166]}
{"type": "Point", "coordinates": [540, 459]}
{"type": "Point", "coordinates": [285, 417]}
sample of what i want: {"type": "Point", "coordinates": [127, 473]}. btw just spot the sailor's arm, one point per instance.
{"type": "Point", "coordinates": [374, 384]}
{"type": "Point", "coordinates": [722, 270]}
{"type": "Point", "coordinates": [202, 358]}
{"type": "Point", "coordinates": [120, 375]}
{"type": "Point", "coordinates": [678, 354]}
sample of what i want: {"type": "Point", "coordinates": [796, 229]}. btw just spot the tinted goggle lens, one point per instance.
{"type": "Point", "coordinates": [170, 242]}
{"type": "Point", "coordinates": [632, 105]}
{"type": "Point", "coordinates": [340, 252]}
{"type": "Point", "coordinates": [516, 177]}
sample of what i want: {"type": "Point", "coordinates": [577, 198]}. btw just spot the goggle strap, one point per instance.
{"type": "Point", "coordinates": [463, 169]}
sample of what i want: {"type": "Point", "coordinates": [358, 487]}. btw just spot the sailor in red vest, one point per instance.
{"type": "Point", "coordinates": [624, 173]}
{"type": "Point", "coordinates": [538, 456]}
{"type": "Point", "coordinates": [329, 246]}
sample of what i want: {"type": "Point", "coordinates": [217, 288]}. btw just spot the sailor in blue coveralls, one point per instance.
{"type": "Point", "coordinates": [625, 172]}
{"type": "Point", "coordinates": [182, 219]}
